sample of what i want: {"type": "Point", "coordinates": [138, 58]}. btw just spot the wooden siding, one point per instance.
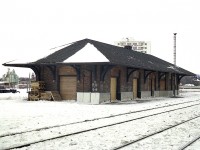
{"type": "Point", "coordinates": [86, 81]}
{"type": "Point", "coordinates": [50, 84]}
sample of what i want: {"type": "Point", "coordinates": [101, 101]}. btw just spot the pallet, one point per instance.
{"type": "Point", "coordinates": [37, 85]}
{"type": "Point", "coordinates": [45, 96]}
{"type": "Point", "coordinates": [33, 97]}
{"type": "Point", "coordinates": [38, 92]}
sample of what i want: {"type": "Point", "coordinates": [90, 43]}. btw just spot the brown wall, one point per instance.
{"type": "Point", "coordinates": [50, 83]}
{"type": "Point", "coordinates": [90, 75]}
{"type": "Point", "coordinates": [85, 83]}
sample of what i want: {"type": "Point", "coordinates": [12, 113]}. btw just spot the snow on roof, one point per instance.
{"type": "Point", "coordinates": [89, 53]}
{"type": "Point", "coordinates": [171, 67]}
{"type": "Point", "coordinates": [30, 59]}
{"type": "Point", "coordinates": [22, 61]}
{"type": "Point", "coordinates": [35, 58]}
{"type": "Point", "coordinates": [150, 62]}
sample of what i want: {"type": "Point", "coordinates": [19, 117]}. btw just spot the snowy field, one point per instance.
{"type": "Point", "coordinates": [19, 115]}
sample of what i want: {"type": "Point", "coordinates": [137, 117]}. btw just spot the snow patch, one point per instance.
{"type": "Point", "coordinates": [171, 67]}
{"type": "Point", "coordinates": [44, 54]}
{"type": "Point", "coordinates": [22, 60]}
{"type": "Point", "coordinates": [89, 53]}
{"type": "Point", "coordinates": [150, 62]}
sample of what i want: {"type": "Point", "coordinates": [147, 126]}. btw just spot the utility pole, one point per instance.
{"type": "Point", "coordinates": [175, 49]}
{"type": "Point", "coordinates": [175, 84]}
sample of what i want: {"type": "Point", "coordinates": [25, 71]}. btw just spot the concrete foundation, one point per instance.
{"type": "Point", "coordinates": [145, 94]}
{"type": "Point", "coordinates": [165, 93]}
{"type": "Point", "coordinates": [156, 93]}
{"type": "Point", "coordinates": [92, 98]}
{"type": "Point", "coordinates": [97, 98]}
{"type": "Point", "coordinates": [126, 96]}
{"type": "Point", "coordinates": [84, 97]}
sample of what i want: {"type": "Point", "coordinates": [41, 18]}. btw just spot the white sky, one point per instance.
{"type": "Point", "coordinates": [31, 28]}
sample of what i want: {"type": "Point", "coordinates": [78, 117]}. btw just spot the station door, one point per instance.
{"type": "Point", "coordinates": [113, 89]}
{"type": "Point", "coordinates": [68, 87]}
{"type": "Point", "coordinates": [135, 88]}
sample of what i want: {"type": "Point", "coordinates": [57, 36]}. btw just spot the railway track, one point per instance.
{"type": "Point", "coordinates": [94, 127]}
{"type": "Point", "coordinates": [190, 143]}
{"type": "Point", "coordinates": [89, 120]}
{"type": "Point", "coordinates": [158, 132]}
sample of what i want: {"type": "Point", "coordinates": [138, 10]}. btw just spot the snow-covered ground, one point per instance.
{"type": "Point", "coordinates": [19, 115]}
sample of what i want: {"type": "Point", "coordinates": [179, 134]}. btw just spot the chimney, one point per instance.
{"type": "Point", "coordinates": [127, 46]}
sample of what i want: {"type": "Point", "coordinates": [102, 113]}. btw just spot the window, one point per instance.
{"type": "Point", "coordinates": [135, 44]}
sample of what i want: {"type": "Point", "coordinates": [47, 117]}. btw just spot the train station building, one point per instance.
{"type": "Point", "coordinates": [93, 72]}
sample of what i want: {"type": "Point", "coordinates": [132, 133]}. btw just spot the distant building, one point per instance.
{"type": "Point", "coordinates": [140, 46]}
{"type": "Point", "coordinates": [10, 78]}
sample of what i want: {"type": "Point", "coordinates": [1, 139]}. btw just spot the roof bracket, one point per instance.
{"type": "Point", "coordinates": [146, 74]}
{"type": "Point", "coordinates": [129, 71]}
{"type": "Point", "coordinates": [160, 75]}
{"type": "Point", "coordinates": [179, 77]}
{"type": "Point", "coordinates": [104, 69]}
{"type": "Point", "coordinates": [37, 71]}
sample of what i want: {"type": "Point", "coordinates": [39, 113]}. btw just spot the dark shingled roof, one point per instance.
{"type": "Point", "coordinates": [117, 56]}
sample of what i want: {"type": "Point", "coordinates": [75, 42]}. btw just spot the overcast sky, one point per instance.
{"type": "Point", "coordinates": [30, 28]}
